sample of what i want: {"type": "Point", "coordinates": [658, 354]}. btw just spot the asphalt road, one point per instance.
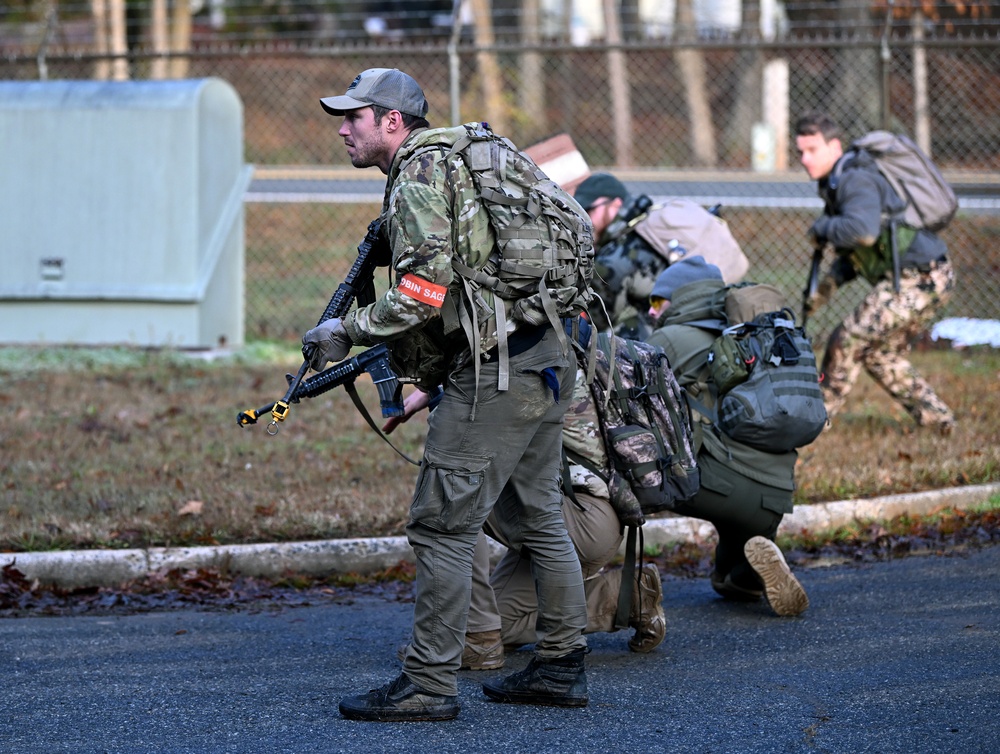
{"type": "Point", "coordinates": [901, 656]}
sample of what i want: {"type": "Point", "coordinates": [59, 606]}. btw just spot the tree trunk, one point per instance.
{"type": "Point", "coordinates": [180, 39]}
{"type": "Point", "coordinates": [855, 89]}
{"type": "Point", "coordinates": [618, 81]}
{"type": "Point", "coordinates": [532, 84]}
{"type": "Point", "coordinates": [921, 100]}
{"type": "Point", "coordinates": [747, 66]}
{"type": "Point", "coordinates": [489, 69]}
{"type": "Point", "coordinates": [102, 68]}
{"type": "Point", "coordinates": [159, 32]}
{"type": "Point", "coordinates": [691, 64]}
{"type": "Point", "coordinates": [119, 43]}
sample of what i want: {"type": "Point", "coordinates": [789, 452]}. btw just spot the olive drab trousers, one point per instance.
{"type": "Point", "coordinates": [506, 461]}
{"type": "Point", "coordinates": [739, 508]}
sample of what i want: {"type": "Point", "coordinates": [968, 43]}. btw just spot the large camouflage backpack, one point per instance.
{"type": "Point", "coordinates": [762, 386]}
{"type": "Point", "coordinates": [642, 447]}
{"type": "Point", "coordinates": [648, 461]}
{"type": "Point", "coordinates": [541, 268]}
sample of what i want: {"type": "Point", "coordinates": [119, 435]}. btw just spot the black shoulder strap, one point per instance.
{"type": "Point", "coordinates": [629, 571]}
{"type": "Point", "coordinates": [359, 404]}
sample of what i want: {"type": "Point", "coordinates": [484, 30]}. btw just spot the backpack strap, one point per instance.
{"type": "Point", "coordinates": [629, 571]}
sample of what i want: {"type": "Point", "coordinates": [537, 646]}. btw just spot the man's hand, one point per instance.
{"type": "Point", "coordinates": [819, 231]}
{"type": "Point", "coordinates": [327, 341]}
{"type": "Point", "coordinates": [416, 401]}
{"type": "Point", "coordinates": [826, 288]}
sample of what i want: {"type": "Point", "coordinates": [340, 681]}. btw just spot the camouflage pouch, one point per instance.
{"type": "Point", "coordinates": [635, 454]}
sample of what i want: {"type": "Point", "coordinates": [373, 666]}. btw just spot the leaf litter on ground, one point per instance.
{"type": "Point", "coordinates": [947, 532]}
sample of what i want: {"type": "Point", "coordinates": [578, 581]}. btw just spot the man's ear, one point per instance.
{"type": "Point", "coordinates": [393, 121]}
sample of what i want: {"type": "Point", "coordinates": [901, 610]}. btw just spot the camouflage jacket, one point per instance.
{"type": "Point", "coordinates": [432, 214]}
{"type": "Point", "coordinates": [582, 437]}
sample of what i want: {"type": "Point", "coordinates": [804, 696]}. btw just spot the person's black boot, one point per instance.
{"type": "Point", "coordinates": [400, 701]}
{"type": "Point", "coordinates": [557, 682]}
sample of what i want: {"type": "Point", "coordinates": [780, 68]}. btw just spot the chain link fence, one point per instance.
{"type": "Point", "coordinates": [700, 113]}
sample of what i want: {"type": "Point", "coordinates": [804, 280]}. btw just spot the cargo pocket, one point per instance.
{"type": "Point", "coordinates": [716, 485]}
{"type": "Point", "coordinates": [450, 491]}
{"type": "Point", "coordinates": [777, 503]}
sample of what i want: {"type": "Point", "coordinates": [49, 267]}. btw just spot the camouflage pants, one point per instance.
{"type": "Point", "coordinates": [877, 336]}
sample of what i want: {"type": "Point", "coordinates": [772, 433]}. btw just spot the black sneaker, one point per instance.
{"type": "Point", "coordinates": [400, 701]}
{"type": "Point", "coordinates": [731, 591]}
{"type": "Point", "coordinates": [558, 682]}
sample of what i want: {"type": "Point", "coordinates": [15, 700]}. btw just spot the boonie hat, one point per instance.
{"type": "Point", "coordinates": [385, 87]}
{"type": "Point", "coordinates": [597, 186]}
{"type": "Point", "coordinates": [686, 270]}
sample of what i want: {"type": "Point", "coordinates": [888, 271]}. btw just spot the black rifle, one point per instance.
{"type": "Point", "coordinates": [894, 251]}
{"type": "Point", "coordinates": [374, 361]}
{"type": "Point", "coordinates": [635, 208]}
{"type": "Point", "coordinates": [359, 284]}
{"type": "Point", "coordinates": [812, 284]}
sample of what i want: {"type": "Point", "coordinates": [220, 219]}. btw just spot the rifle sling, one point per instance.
{"type": "Point", "coordinates": [359, 404]}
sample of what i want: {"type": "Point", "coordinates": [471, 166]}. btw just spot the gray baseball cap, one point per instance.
{"type": "Point", "coordinates": [385, 87]}
{"type": "Point", "coordinates": [680, 273]}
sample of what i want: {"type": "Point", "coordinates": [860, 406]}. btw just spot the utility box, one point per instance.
{"type": "Point", "coordinates": [121, 213]}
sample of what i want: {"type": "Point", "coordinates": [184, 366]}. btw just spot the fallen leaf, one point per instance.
{"type": "Point", "coordinates": [191, 508]}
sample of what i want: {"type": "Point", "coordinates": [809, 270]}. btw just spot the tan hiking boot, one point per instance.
{"type": "Point", "coordinates": [783, 591]}
{"type": "Point", "coordinates": [483, 651]}
{"type": "Point", "coordinates": [647, 618]}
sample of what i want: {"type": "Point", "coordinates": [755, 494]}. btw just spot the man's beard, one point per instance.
{"type": "Point", "coordinates": [370, 153]}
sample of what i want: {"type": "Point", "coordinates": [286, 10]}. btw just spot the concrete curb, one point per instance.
{"type": "Point", "coordinates": [83, 568]}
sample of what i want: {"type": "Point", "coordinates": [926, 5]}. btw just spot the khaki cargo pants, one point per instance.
{"type": "Point", "coordinates": [506, 600]}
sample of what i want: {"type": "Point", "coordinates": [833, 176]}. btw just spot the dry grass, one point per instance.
{"type": "Point", "coordinates": [124, 448]}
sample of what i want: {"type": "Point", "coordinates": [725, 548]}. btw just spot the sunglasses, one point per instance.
{"type": "Point", "coordinates": [656, 302]}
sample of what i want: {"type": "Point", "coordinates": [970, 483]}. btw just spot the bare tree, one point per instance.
{"type": "Point", "coordinates": [180, 39]}
{"type": "Point", "coordinates": [109, 40]}
{"type": "Point", "coordinates": [691, 63]}
{"type": "Point", "coordinates": [486, 63]}
{"type": "Point", "coordinates": [99, 10]}
{"type": "Point", "coordinates": [618, 80]}
{"type": "Point", "coordinates": [532, 84]}
{"type": "Point", "coordinates": [160, 35]}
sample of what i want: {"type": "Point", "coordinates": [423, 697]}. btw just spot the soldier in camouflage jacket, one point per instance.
{"type": "Point", "coordinates": [506, 459]}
